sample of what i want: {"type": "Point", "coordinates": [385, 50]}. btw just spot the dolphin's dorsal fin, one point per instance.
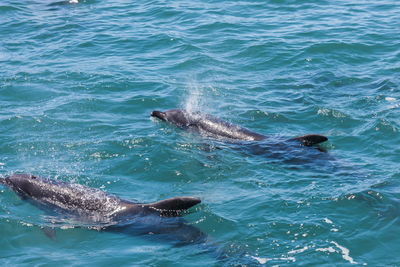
{"type": "Point", "coordinates": [174, 206]}
{"type": "Point", "coordinates": [310, 139]}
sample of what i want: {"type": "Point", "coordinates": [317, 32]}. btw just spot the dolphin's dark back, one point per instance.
{"type": "Point", "coordinates": [207, 125]}
{"type": "Point", "coordinates": [66, 196]}
{"type": "Point", "coordinates": [210, 125]}
{"type": "Point", "coordinates": [91, 202]}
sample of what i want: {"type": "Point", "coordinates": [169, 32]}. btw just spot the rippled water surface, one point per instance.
{"type": "Point", "coordinates": [78, 83]}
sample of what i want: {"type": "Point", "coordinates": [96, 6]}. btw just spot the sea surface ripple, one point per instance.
{"type": "Point", "coordinates": [78, 82]}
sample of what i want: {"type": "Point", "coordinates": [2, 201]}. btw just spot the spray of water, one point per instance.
{"type": "Point", "coordinates": [195, 98]}
{"type": "Point", "coordinates": [200, 97]}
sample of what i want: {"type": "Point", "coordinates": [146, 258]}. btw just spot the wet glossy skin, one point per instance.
{"type": "Point", "coordinates": [87, 201]}
{"type": "Point", "coordinates": [109, 212]}
{"type": "Point", "coordinates": [213, 127]}
{"type": "Point", "coordinates": [207, 125]}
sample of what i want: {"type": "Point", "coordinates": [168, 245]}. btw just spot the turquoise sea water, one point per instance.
{"type": "Point", "coordinates": [78, 83]}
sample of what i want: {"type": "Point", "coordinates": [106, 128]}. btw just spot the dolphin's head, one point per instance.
{"type": "Point", "coordinates": [25, 184]}
{"type": "Point", "coordinates": [179, 117]}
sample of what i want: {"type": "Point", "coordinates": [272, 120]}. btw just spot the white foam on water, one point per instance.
{"type": "Point", "coordinates": [345, 253]}
{"type": "Point", "coordinates": [265, 260]}
{"type": "Point", "coordinates": [66, 227]}
{"type": "Point", "coordinates": [328, 249]}
{"type": "Point", "coordinates": [260, 260]}
{"type": "Point", "coordinates": [298, 250]}
{"type": "Point", "coordinates": [26, 224]}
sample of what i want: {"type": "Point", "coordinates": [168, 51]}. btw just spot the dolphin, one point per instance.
{"type": "Point", "coordinates": [160, 220]}
{"type": "Point", "coordinates": [214, 127]}
{"type": "Point", "coordinates": [107, 211]}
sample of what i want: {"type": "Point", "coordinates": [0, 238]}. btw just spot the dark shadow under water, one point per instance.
{"type": "Point", "coordinates": [288, 152]}
{"type": "Point", "coordinates": [177, 232]}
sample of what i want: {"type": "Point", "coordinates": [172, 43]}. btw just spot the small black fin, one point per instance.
{"type": "Point", "coordinates": [174, 206]}
{"type": "Point", "coordinates": [49, 232]}
{"type": "Point", "coordinates": [310, 139]}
